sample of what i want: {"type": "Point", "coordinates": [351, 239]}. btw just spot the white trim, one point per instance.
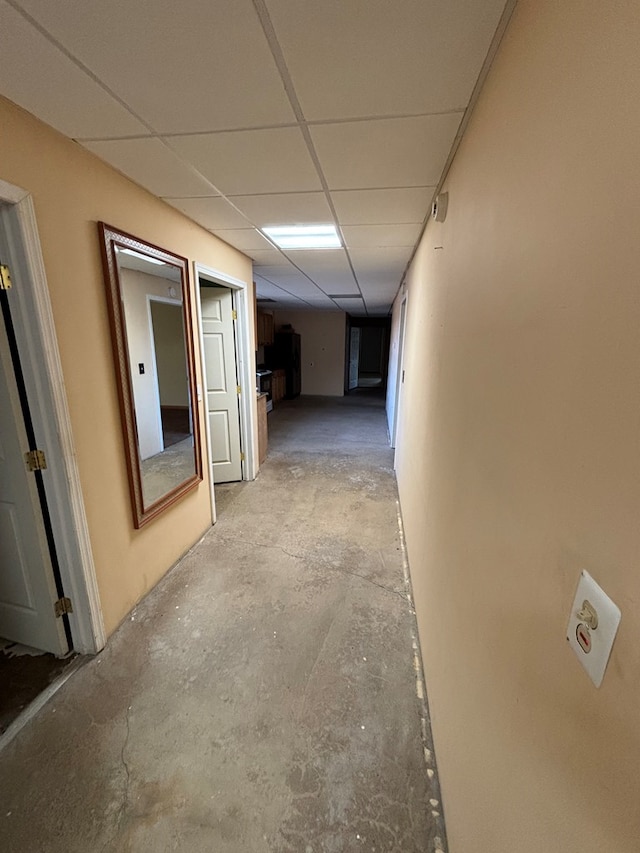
{"type": "Point", "coordinates": [245, 368]}
{"type": "Point", "coordinates": [399, 368]}
{"type": "Point", "coordinates": [247, 378]}
{"type": "Point", "coordinates": [154, 363]}
{"type": "Point", "coordinates": [40, 359]}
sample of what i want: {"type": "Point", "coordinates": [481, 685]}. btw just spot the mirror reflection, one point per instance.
{"type": "Point", "coordinates": [149, 319]}
{"type": "Point", "coordinates": [152, 301]}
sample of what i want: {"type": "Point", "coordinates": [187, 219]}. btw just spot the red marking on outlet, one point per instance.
{"type": "Point", "coordinates": [584, 638]}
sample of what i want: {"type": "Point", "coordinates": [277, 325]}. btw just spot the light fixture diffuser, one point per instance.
{"type": "Point", "coordinates": [303, 236]}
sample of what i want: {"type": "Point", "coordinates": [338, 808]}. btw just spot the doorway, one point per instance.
{"type": "Point", "coordinates": [367, 355]}
{"type": "Point", "coordinates": [30, 582]}
{"type": "Point", "coordinates": [398, 378]}
{"type": "Point", "coordinates": [224, 308]}
{"type": "Point", "coordinates": [221, 387]}
{"type": "Point", "coordinates": [48, 589]}
{"type": "Point", "coordinates": [171, 386]}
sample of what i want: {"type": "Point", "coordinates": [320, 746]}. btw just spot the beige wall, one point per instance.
{"type": "Point", "coordinates": [519, 447]}
{"type": "Point", "coordinates": [72, 190]}
{"type": "Point", "coordinates": [322, 339]}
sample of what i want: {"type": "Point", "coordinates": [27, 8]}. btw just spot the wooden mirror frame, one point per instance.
{"type": "Point", "coordinates": [110, 239]}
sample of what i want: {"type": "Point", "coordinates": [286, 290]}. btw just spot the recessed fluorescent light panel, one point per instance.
{"type": "Point", "coordinates": [304, 236]}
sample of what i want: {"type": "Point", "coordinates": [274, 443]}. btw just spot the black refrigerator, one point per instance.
{"type": "Point", "coordinates": [285, 355]}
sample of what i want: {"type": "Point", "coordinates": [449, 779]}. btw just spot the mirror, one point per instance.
{"type": "Point", "coordinates": [149, 310]}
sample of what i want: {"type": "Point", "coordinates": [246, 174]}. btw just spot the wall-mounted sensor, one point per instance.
{"type": "Point", "coordinates": [439, 207]}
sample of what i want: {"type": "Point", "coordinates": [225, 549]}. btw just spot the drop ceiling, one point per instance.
{"type": "Point", "coordinates": [251, 113]}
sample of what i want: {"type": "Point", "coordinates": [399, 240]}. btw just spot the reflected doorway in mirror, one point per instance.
{"type": "Point", "coordinates": [149, 307]}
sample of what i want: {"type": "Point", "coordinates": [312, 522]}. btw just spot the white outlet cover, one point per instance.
{"type": "Point", "coordinates": [595, 661]}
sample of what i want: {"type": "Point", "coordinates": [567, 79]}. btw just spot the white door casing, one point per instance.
{"type": "Point", "coordinates": [246, 365]}
{"type": "Point", "coordinates": [221, 390]}
{"type": "Point", "coordinates": [44, 381]}
{"type": "Point", "coordinates": [27, 586]}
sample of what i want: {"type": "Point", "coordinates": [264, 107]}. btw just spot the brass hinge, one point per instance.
{"type": "Point", "coordinates": [5, 277]}
{"type": "Point", "coordinates": [238, 389]}
{"type": "Point", "coordinates": [241, 456]}
{"type": "Point", "coordinates": [234, 314]}
{"type": "Point", "coordinates": [35, 460]}
{"type": "Point", "coordinates": [62, 606]}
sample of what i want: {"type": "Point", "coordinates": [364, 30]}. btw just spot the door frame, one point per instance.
{"type": "Point", "coordinates": [34, 329]}
{"type": "Point", "coordinates": [245, 366]}
{"type": "Point", "coordinates": [399, 370]}
{"type": "Point", "coordinates": [166, 300]}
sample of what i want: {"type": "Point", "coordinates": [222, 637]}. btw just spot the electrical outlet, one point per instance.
{"type": "Point", "coordinates": [592, 628]}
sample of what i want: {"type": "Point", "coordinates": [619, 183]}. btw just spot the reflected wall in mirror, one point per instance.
{"type": "Point", "coordinates": [149, 310]}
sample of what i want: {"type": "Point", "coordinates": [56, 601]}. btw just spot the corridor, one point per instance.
{"type": "Point", "coordinates": [263, 697]}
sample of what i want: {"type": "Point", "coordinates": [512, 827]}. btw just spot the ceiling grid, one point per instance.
{"type": "Point", "coordinates": [267, 112]}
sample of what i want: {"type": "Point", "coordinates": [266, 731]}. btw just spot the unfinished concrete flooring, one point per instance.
{"type": "Point", "coordinates": [263, 697]}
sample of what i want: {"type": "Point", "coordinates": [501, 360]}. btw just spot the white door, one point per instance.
{"type": "Point", "coordinates": [354, 357]}
{"type": "Point", "coordinates": [27, 586]}
{"type": "Point", "coordinates": [222, 383]}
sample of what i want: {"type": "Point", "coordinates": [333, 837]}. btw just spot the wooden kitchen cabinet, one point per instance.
{"type": "Point", "coordinates": [264, 329]}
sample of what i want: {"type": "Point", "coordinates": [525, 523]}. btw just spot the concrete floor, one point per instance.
{"type": "Point", "coordinates": [263, 697]}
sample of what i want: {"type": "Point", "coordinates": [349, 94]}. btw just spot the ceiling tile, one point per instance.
{"type": "Point", "coordinates": [383, 311]}
{"type": "Point", "coordinates": [351, 306]}
{"type": "Point", "coordinates": [379, 262]}
{"type": "Point", "coordinates": [150, 163]}
{"type": "Point", "coordinates": [266, 288]}
{"type": "Point", "coordinates": [251, 162]}
{"type": "Point", "coordinates": [316, 259]}
{"type": "Point", "coordinates": [381, 58]}
{"type": "Point", "coordinates": [245, 239]}
{"type": "Point", "coordinates": [268, 257]}
{"type": "Point", "coordinates": [367, 236]}
{"type": "Point", "coordinates": [335, 283]}
{"type": "Point", "coordinates": [322, 302]}
{"type": "Point", "coordinates": [328, 268]}
{"type": "Point", "coordinates": [379, 207]}
{"type": "Point", "coordinates": [379, 289]}
{"type": "Point", "coordinates": [285, 208]}
{"type": "Point", "coordinates": [211, 213]}
{"type": "Point", "coordinates": [276, 270]}
{"type": "Point", "coordinates": [386, 153]}
{"type": "Point", "coordinates": [54, 88]}
{"type": "Point", "coordinates": [194, 67]}
{"type": "Point", "coordinates": [299, 285]}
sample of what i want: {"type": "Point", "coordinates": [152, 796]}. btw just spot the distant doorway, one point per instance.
{"type": "Point", "coordinates": [367, 353]}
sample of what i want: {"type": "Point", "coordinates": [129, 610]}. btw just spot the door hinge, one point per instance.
{"type": "Point", "coordinates": [241, 456]}
{"type": "Point", "coordinates": [238, 389]}
{"type": "Point", "coordinates": [234, 314]}
{"type": "Point", "coordinates": [63, 606]}
{"type": "Point", "coordinates": [35, 460]}
{"type": "Point", "coordinates": [5, 277]}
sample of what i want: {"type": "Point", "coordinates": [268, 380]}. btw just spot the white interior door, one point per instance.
{"type": "Point", "coordinates": [222, 383]}
{"type": "Point", "coordinates": [27, 586]}
{"type": "Point", "coordinates": [354, 357]}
